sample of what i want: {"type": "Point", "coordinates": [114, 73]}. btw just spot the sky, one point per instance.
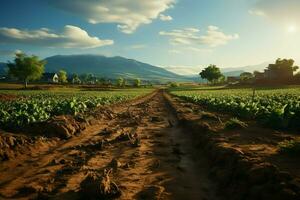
{"type": "Point", "coordinates": [183, 36]}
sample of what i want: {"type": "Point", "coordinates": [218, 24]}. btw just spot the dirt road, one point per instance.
{"type": "Point", "coordinates": [143, 151]}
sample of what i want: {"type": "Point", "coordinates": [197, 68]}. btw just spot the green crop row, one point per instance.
{"type": "Point", "coordinates": [39, 106]}
{"type": "Point", "coordinates": [277, 108]}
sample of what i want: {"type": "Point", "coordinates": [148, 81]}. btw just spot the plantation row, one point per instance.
{"type": "Point", "coordinates": [276, 108]}
{"type": "Point", "coordinates": [39, 106]}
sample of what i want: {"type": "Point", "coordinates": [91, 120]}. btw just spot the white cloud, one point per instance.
{"type": "Point", "coordinates": [71, 37]}
{"type": "Point", "coordinates": [190, 36]}
{"type": "Point", "coordinates": [138, 46]}
{"type": "Point", "coordinates": [128, 14]}
{"type": "Point", "coordinates": [286, 11]}
{"type": "Point", "coordinates": [256, 12]}
{"type": "Point", "coordinates": [163, 17]}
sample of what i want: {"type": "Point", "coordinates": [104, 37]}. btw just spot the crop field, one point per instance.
{"type": "Point", "coordinates": [278, 108]}
{"type": "Point", "coordinates": [36, 106]}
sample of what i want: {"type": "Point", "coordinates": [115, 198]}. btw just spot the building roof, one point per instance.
{"type": "Point", "coordinates": [49, 75]}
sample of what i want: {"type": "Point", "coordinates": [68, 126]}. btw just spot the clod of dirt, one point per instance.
{"type": "Point", "coordinates": [208, 116]}
{"type": "Point", "coordinates": [62, 126]}
{"type": "Point", "coordinates": [157, 119]}
{"type": "Point", "coordinates": [151, 192]}
{"type": "Point", "coordinates": [136, 142]}
{"type": "Point", "coordinates": [235, 123]}
{"type": "Point", "coordinates": [106, 131]}
{"type": "Point", "coordinates": [95, 187]}
{"type": "Point", "coordinates": [115, 164]}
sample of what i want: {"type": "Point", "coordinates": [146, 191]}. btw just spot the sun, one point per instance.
{"type": "Point", "coordinates": [292, 29]}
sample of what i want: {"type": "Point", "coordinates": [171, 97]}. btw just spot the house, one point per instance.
{"type": "Point", "coordinates": [49, 78]}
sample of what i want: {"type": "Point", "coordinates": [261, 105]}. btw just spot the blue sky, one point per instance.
{"type": "Point", "coordinates": [181, 35]}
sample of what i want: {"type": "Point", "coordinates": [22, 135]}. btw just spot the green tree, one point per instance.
{"type": "Point", "coordinates": [84, 78]}
{"type": "Point", "coordinates": [75, 78]}
{"type": "Point", "coordinates": [120, 82]}
{"type": "Point", "coordinates": [211, 73]}
{"type": "Point", "coordinates": [137, 82]}
{"type": "Point", "coordinates": [26, 68]}
{"type": "Point", "coordinates": [62, 76]}
{"type": "Point", "coordinates": [246, 76]}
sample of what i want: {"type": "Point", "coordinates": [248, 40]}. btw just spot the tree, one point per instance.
{"type": "Point", "coordinates": [211, 73]}
{"type": "Point", "coordinates": [246, 76]}
{"type": "Point", "coordinates": [84, 78]}
{"type": "Point", "coordinates": [62, 76]}
{"type": "Point", "coordinates": [75, 79]}
{"type": "Point", "coordinates": [26, 68]}
{"type": "Point", "coordinates": [137, 82]}
{"type": "Point", "coordinates": [120, 82]}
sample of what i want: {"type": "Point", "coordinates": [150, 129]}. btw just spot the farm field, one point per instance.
{"type": "Point", "coordinates": [20, 108]}
{"type": "Point", "coordinates": [142, 144]}
{"type": "Point", "coordinates": [277, 108]}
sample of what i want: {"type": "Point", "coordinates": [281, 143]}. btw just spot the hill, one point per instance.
{"type": "Point", "coordinates": [2, 68]}
{"type": "Point", "coordinates": [110, 67]}
{"type": "Point", "coordinates": [249, 68]}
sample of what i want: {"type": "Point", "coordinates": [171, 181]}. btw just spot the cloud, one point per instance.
{"type": "Point", "coordinates": [286, 11]}
{"type": "Point", "coordinates": [71, 37]}
{"type": "Point", "coordinates": [256, 12]}
{"type": "Point", "coordinates": [128, 14]}
{"type": "Point", "coordinates": [190, 36]}
{"type": "Point", "coordinates": [5, 52]}
{"type": "Point", "coordinates": [163, 17]}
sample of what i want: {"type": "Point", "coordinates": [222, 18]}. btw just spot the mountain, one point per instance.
{"type": "Point", "coordinates": [249, 68]}
{"type": "Point", "coordinates": [110, 67]}
{"type": "Point", "coordinates": [2, 68]}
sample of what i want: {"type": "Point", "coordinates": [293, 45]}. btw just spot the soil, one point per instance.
{"type": "Point", "coordinates": [7, 97]}
{"type": "Point", "coordinates": [154, 147]}
{"type": "Point", "coordinates": [139, 152]}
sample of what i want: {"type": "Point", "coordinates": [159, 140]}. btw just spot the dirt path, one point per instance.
{"type": "Point", "coordinates": [149, 154]}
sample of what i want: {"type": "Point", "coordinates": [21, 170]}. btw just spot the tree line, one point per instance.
{"type": "Point", "coordinates": [282, 71]}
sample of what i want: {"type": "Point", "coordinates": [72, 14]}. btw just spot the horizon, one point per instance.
{"type": "Point", "coordinates": [180, 36]}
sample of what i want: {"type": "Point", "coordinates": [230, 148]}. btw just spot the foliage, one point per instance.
{"type": "Point", "coordinates": [211, 73]}
{"type": "Point", "coordinates": [75, 79]}
{"type": "Point", "coordinates": [289, 146]}
{"type": "Point", "coordinates": [26, 68]}
{"type": "Point", "coordinates": [137, 82]}
{"type": "Point", "coordinates": [279, 108]}
{"type": "Point", "coordinates": [62, 76]}
{"type": "Point", "coordinates": [121, 82]}
{"type": "Point", "coordinates": [246, 76]}
{"type": "Point", "coordinates": [37, 106]}
{"type": "Point", "coordinates": [174, 84]}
